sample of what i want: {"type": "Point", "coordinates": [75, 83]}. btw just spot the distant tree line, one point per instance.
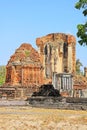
{"type": "Point", "coordinates": [2, 74]}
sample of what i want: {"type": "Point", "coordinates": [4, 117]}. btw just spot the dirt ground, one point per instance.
{"type": "Point", "coordinates": [28, 118]}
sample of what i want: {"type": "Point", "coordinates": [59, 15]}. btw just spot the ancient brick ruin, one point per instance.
{"type": "Point", "coordinates": [29, 68]}
{"type": "Point", "coordinates": [24, 67]}
{"type": "Point", "coordinates": [56, 53]}
{"type": "Point", "coordinates": [53, 63]}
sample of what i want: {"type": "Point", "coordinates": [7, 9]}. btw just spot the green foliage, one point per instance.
{"type": "Point", "coordinates": [2, 74]}
{"type": "Point", "coordinates": [82, 33]}
{"type": "Point", "coordinates": [78, 65]}
{"type": "Point", "coordinates": [27, 53]}
{"type": "Point", "coordinates": [82, 4]}
{"type": "Point", "coordinates": [82, 28]}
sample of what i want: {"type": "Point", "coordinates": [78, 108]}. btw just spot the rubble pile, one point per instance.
{"type": "Point", "coordinates": [47, 90]}
{"type": "Point", "coordinates": [80, 81]}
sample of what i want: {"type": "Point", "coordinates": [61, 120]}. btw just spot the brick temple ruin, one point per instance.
{"type": "Point", "coordinates": [28, 68]}
{"type": "Point", "coordinates": [56, 53]}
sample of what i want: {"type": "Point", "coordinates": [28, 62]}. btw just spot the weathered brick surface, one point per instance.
{"type": "Point", "coordinates": [56, 43]}
{"type": "Point", "coordinates": [24, 67]}
{"type": "Point", "coordinates": [28, 67]}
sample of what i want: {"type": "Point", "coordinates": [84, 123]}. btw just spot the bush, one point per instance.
{"type": "Point", "coordinates": [2, 74]}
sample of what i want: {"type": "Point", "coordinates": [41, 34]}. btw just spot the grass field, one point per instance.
{"type": "Point", "coordinates": [28, 118]}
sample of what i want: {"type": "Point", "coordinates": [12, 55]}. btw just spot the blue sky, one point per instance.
{"type": "Point", "coordinates": [25, 20]}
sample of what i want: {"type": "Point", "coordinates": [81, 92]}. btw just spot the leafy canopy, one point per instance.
{"type": "Point", "coordinates": [82, 28]}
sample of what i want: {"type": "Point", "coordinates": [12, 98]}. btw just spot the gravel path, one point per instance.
{"type": "Point", "coordinates": [13, 103]}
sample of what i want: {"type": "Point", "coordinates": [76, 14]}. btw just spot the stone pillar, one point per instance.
{"type": "Point", "coordinates": [35, 75]}
{"type": "Point", "coordinates": [48, 50]}
{"type": "Point", "coordinates": [70, 58]}
{"type": "Point", "coordinates": [56, 60]}
{"type": "Point", "coordinates": [61, 56]}
{"type": "Point", "coordinates": [52, 60]}
{"type": "Point", "coordinates": [38, 74]}
{"type": "Point", "coordinates": [57, 66]}
{"type": "Point", "coordinates": [59, 61]}
{"type": "Point", "coordinates": [22, 93]}
{"type": "Point", "coordinates": [32, 73]}
{"type": "Point", "coordinates": [85, 72]}
{"type": "Point", "coordinates": [41, 76]}
{"type": "Point", "coordinates": [12, 75]}
{"type": "Point", "coordinates": [22, 76]}
{"type": "Point", "coordinates": [39, 49]}
{"type": "Point", "coordinates": [74, 57]}
{"type": "Point", "coordinates": [44, 66]}
{"type": "Point", "coordinates": [28, 75]}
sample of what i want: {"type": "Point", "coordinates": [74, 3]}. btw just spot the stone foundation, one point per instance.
{"type": "Point", "coordinates": [59, 103]}
{"type": "Point", "coordinates": [17, 92]}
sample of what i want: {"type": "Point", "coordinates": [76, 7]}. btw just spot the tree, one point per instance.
{"type": "Point", "coordinates": [78, 65]}
{"type": "Point", "coordinates": [82, 28]}
{"type": "Point", "coordinates": [2, 74]}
